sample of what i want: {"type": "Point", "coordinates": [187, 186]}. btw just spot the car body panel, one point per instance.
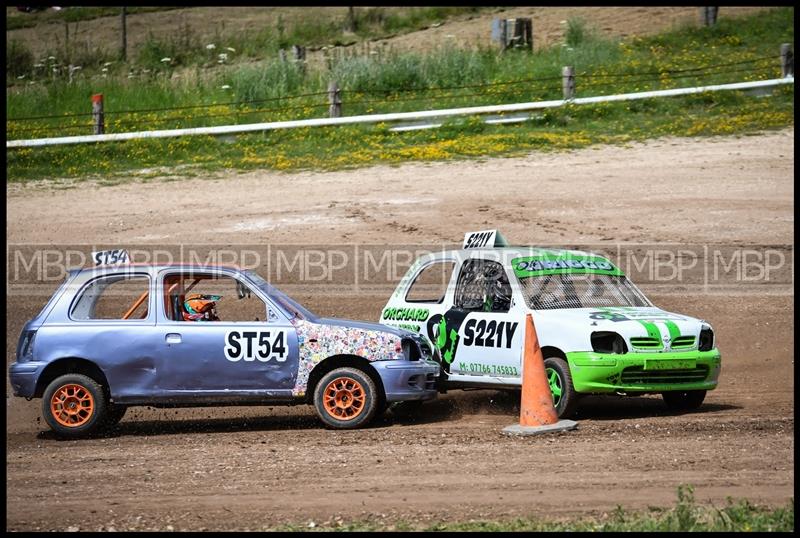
{"type": "Point", "coordinates": [484, 349]}
{"type": "Point", "coordinates": [157, 360]}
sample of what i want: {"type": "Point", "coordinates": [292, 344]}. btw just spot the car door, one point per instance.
{"type": "Point", "coordinates": [483, 328]}
{"type": "Point", "coordinates": [418, 306]}
{"type": "Point", "coordinates": [251, 350]}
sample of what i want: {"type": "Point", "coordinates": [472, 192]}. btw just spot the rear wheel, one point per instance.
{"type": "Point", "coordinates": [684, 400]}
{"type": "Point", "coordinates": [74, 406]}
{"type": "Point", "coordinates": [346, 398]}
{"type": "Point", "coordinates": [565, 399]}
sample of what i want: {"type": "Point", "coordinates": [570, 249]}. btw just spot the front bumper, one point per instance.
{"type": "Point", "coordinates": [644, 372]}
{"type": "Point", "coordinates": [408, 380]}
{"type": "Point", "coordinates": [23, 376]}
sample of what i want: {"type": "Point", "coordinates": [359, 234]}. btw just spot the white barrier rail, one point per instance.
{"type": "Point", "coordinates": [375, 118]}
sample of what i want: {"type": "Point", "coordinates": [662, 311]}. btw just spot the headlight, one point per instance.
{"type": "Point", "coordinates": [411, 350]}
{"type": "Point", "coordinates": [608, 342]}
{"type": "Point", "coordinates": [706, 339]}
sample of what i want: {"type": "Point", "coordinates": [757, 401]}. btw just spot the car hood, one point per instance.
{"type": "Point", "coordinates": [363, 325]}
{"type": "Point", "coordinates": [571, 328]}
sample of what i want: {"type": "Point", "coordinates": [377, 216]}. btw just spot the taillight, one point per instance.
{"type": "Point", "coordinates": [26, 348]}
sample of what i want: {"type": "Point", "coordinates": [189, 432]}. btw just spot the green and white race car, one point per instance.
{"type": "Point", "coordinates": [598, 332]}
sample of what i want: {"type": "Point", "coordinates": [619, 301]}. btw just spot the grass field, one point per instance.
{"type": "Point", "coordinates": [736, 49]}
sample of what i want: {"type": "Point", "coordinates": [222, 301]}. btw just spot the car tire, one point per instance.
{"type": "Point", "coordinates": [565, 399]}
{"type": "Point", "coordinates": [683, 400]}
{"type": "Point", "coordinates": [346, 398]}
{"type": "Point", "coordinates": [74, 406]}
{"type": "Point", "coordinates": [409, 409]}
{"type": "Point", "coordinates": [114, 414]}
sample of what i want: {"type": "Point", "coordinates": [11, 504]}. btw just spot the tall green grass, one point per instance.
{"type": "Point", "coordinates": [731, 40]}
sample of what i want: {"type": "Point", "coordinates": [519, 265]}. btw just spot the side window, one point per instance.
{"type": "Point", "coordinates": [193, 297]}
{"type": "Point", "coordinates": [114, 297]}
{"type": "Point", "coordinates": [430, 285]}
{"type": "Point", "coordinates": [482, 287]}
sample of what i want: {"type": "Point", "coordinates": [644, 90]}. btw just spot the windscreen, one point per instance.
{"type": "Point", "coordinates": [579, 290]}
{"type": "Point", "coordinates": [283, 300]}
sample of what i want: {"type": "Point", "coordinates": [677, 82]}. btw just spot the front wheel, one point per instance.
{"type": "Point", "coordinates": [565, 399]}
{"type": "Point", "coordinates": [114, 414]}
{"type": "Point", "coordinates": [408, 409]}
{"type": "Point", "coordinates": [346, 398]}
{"type": "Point", "coordinates": [74, 406]}
{"type": "Point", "coordinates": [683, 400]}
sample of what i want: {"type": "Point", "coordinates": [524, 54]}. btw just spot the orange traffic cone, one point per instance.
{"type": "Point", "coordinates": [537, 413]}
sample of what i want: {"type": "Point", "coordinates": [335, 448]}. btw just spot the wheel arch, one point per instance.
{"type": "Point", "coordinates": [552, 351]}
{"type": "Point", "coordinates": [70, 365]}
{"type": "Point", "coordinates": [343, 361]}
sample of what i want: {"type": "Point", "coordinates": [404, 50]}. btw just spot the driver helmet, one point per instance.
{"type": "Point", "coordinates": [200, 307]}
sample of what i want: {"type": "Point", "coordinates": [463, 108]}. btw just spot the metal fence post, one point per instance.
{"type": "Point", "coordinates": [97, 114]}
{"type": "Point", "coordinates": [499, 33]}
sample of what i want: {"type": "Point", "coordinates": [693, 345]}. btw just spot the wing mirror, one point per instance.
{"type": "Point", "coordinates": [241, 290]}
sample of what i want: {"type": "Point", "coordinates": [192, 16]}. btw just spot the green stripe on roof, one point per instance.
{"type": "Point", "coordinates": [552, 264]}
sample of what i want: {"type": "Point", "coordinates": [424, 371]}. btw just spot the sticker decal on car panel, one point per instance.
{"type": "Point", "coordinates": [443, 332]}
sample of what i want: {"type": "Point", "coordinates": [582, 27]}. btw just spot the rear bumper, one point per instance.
{"type": "Point", "coordinates": [408, 380]}
{"type": "Point", "coordinates": [23, 376]}
{"type": "Point", "coordinates": [637, 373]}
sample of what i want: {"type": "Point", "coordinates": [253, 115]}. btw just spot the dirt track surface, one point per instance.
{"type": "Point", "coordinates": [247, 468]}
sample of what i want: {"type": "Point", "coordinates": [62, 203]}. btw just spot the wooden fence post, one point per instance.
{"type": "Point", "coordinates": [97, 114]}
{"type": "Point", "coordinates": [335, 100]}
{"type": "Point", "coordinates": [124, 45]}
{"type": "Point", "coordinates": [708, 15]}
{"type": "Point", "coordinates": [528, 36]}
{"type": "Point", "coordinates": [299, 54]}
{"type": "Point", "coordinates": [350, 21]}
{"type": "Point", "coordinates": [568, 82]}
{"type": "Point", "coordinates": [787, 60]}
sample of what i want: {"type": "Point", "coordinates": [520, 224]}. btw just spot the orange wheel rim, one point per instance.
{"type": "Point", "coordinates": [72, 405]}
{"type": "Point", "coordinates": [344, 398]}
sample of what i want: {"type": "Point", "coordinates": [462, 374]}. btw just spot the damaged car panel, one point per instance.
{"type": "Point", "coordinates": [187, 335]}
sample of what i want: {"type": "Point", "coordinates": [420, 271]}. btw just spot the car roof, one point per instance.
{"type": "Point", "coordinates": [162, 266]}
{"type": "Point", "coordinates": [510, 252]}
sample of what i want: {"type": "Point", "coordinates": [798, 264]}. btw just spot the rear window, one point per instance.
{"type": "Point", "coordinates": [114, 297]}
